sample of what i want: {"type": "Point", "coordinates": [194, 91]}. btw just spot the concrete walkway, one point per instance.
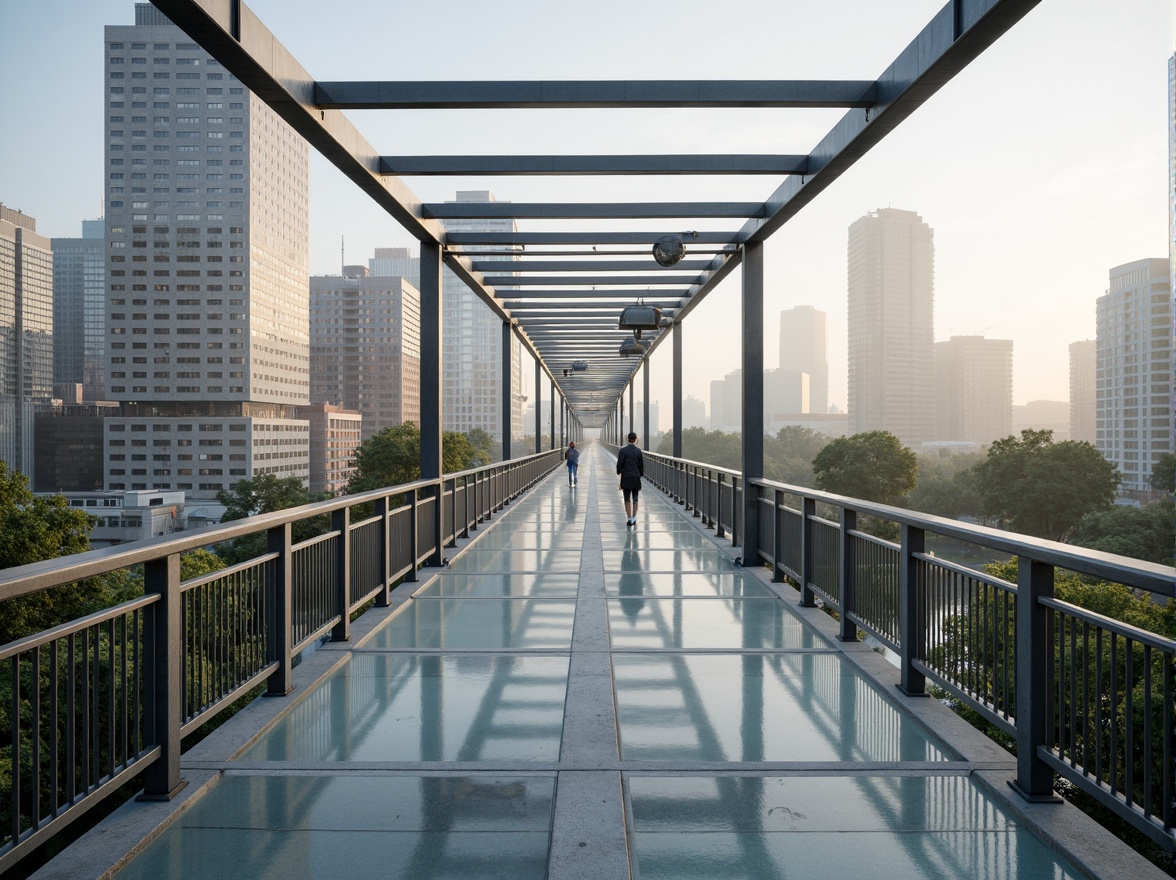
{"type": "Point", "coordinates": [573, 698]}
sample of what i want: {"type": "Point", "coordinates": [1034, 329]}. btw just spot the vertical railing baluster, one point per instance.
{"type": "Point", "coordinates": [161, 577]}
{"type": "Point", "coordinates": [341, 522]}
{"type": "Point", "coordinates": [777, 535]}
{"type": "Point", "coordinates": [808, 509]}
{"type": "Point", "coordinates": [14, 798]}
{"type": "Point", "coordinates": [384, 553]}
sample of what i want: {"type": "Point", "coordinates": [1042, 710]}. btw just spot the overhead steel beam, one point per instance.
{"type": "Point", "coordinates": [521, 300]}
{"type": "Point", "coordinates": [646, 265]}
{"type": "Point", "coordinates": [588, 210]}
{"type": "Point", "coordinates": [467, 95]}
{"type": "Point", "coordinates": [458, 239]}
{"type": "Point", "coordinates": [585, 280]}
{"type": "Point", "coordinates": [529, 166]}
{"type": "Point", "coordinates": [958, 33]}
{"type": "Point", "coordinates": [513, 296]}
{"type": "Point", "coordinates": [518, 255]}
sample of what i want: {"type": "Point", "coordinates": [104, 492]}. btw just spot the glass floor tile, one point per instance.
{"type": "Point", "coordinates": [881, 827]}
{"type": "Point", "coordinates": [685, 560]}
{"type": "Point", "coordinates": [758, 707]}
{"type": "Point", "coordinates": [636, 621]}
{"type": "Point", "coordinates": [517, 560]}
{"type": "Point", "coordinates": [638, 539]}
{"type": "Point", "coordinates": [503, 585]}
{"type": "Point", "coordinates": [507, 537]}
{"type": "Point", "coordinates": [406, 707]}
{"type": "Point", "coordinates": [478, 624]}
{"type": "Point", "coordinates": [285, 827]}
{"type": "Point", "coordinates": [666, 583]}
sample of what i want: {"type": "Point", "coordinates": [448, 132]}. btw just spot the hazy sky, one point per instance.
{"type": "Point", "coordinates": [1039, 167]}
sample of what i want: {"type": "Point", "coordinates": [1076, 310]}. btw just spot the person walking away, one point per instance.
{"type": "Point", "coordinates": [631, 468]}
{"type": "Point", "coordinates": [572, 457]}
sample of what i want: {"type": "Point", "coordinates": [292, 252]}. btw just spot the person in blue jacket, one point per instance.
{"type": "Point", "coordinates": [572, 457]}
{"type": "Point", "coordinates": [631, 468]}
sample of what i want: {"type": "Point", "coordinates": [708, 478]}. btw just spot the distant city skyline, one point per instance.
{"type": "Point", "coordinates": [1027, 227]}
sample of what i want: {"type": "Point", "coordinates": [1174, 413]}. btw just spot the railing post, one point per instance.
{"type": "Point", "coordinates": [777, 536]}
{"type": "Point", "coordinates": [384, 597]}
{"type": "Point", "coordinates": [1034, 640]}
{"type": "Point", "coordinates": [281, 617]}
{"type": "Point", "coordinates": [414, 537]}
{"type": "Point", "coordinates": [739, 493]}
{"type": "Point", "coordinates": [848, 583]}
{"type": "Point", "coordinates": [341, 522]}
{"type": "Point", "coordinates": [910, 618]}
{"type": "Point", "coordinates": [719, 533]}
{"type": "Point", "coordinates": [808, 509]}
{"type": "Point", "coordinates": [163, 672]}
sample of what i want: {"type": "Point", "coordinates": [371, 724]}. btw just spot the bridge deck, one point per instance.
{"type": "Point", "coordinates": [574, 699]}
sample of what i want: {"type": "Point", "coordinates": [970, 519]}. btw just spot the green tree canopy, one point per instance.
{"type": "Point", "coordinates": [947, 485]}
{"type": "Point", "coordinates": [874, 466]}
{"type": "Point", "coordinates": [393, 456]}
{"type": "Point", "coordinates": [1163, 475]}
{"type": "Point", "coordinates": [788, 457]}
{"type": "Point", "coordinates": [1035, 486]}
{"type": "Point", "coordinates": [1139, 532]}
{"type": "Point", "coordinates": [263, 494]}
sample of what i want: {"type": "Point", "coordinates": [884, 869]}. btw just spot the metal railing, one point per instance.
{"type": "Point", "coordinates": [98, 701]}
{"type": "Point", "coordinates": [1083, 695]}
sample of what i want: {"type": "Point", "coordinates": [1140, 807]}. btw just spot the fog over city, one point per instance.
{"type": "Point", "coordinates": [1039, 167]}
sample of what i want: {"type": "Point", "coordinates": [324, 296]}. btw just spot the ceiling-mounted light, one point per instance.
{"type": "Point", "coordinates": [639, 317]}
{"type": "Point", "coordinates": [632, 347]}
{"type": "Point", "coordinates": [579, 366]}
{"type": "Point", "coordinates": [669, 250]}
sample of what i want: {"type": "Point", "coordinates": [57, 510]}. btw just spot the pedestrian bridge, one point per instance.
{"type": "Point", "coordinates": [570, 698]}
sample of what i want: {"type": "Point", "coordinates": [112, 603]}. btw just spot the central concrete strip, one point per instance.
{"type": "Point", "coordinates": [588, 839]}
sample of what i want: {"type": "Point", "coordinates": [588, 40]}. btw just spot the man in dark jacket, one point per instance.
{"type": "Point", "coordinates": [631, 468]}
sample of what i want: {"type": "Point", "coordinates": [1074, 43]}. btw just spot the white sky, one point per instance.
{"type": "Point", "coordinates": [1039, 167]}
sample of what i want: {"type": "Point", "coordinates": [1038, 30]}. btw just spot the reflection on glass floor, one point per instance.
{"type": "Point", "coordinates": [636, 621]}
{"type": "Point", "coordinates": [504, 586]}
{"type": "Point", "coordinates": [875, 826]}
{"type": "Point", "coordinates": [691, 584]}
{"type": "Point", "coordinates": [758, 707]}
{"type": "Point", "coordinates": [479, 624]}
{"type": "Point", "coordinates": [403, 828]}
{"type": "Point", "coordinates": [414, 707]}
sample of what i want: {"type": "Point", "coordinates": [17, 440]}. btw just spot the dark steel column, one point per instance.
{"type": "Point", "coordinates": [563, 414]}
{"type": "Point", "coordinates": [538, 408]}
{"type": "Point", "coordinates": [645, 404]}
{"type": "Point", "coordinates": [507, 385]}
{"type": "Point", "coordinates": [163, 665]}
{"type": "Point", "coordinates": [551, 413]}
{"type": "Point", "coordinates": [753, 394]}
{"type": "Point", "coordinates": [431, 381]}
{"type": "Point", "coordinates": [632, 403]}
{"type": "Point", "coordinates": [676, 338]}
{"type": "Point", "coordinates": [1035, 657]}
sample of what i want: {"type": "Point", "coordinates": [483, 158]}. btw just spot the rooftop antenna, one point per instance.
{"type": "Point", "coordinates": [342, 258]}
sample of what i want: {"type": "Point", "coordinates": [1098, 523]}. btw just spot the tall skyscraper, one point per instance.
{"type": "Point", "coordinates": [396, 263]}
{"type": "Point", "coordinates": [207, 264]}
{"type": "Point", "coordinates": [803, 342]}
{"type": "Point", "coordinates": [693, 413]}
{"type": "Point", "coordinates": [891, 325]}
{"type": "Point", "coordinates": [26, 334]}
{"type": "Point", "coordinates": [471, 339]}
{"type": "Point", "coordinates": [974, 378]}
{"type": "Point", "coordinates": [1134, 370]}
{"type": "Point", "coordinates": [365, 351]}
{"type": "Point", "coordinates": [79, 310]}
{"type": "Point", "coordinates": [1083, 356]}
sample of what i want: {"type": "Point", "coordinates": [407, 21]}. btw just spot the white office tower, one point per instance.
{"type": "Point", "coordinates": [974, 377]}
{"type": "Point", "coordinates": [1083, 390]}
{"type": "Point", "coordinates": [207, 266]}
{"type": "Point", "coordinates": [79, 310]}
{"type": "Point", "coordinates": [26, 334]}
{"type": "Point", "coordinates": [397, 262]}
{"type": "Point", "coordinates": [471, 352]}
{"type": "Point", "coordinates": [803, 344]}
{"type": "Point", "coordinates": [891, 311]}
{"type": "Point", "coordinates": [1134, 370]}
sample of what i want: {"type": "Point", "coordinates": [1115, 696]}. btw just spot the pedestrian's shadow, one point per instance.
{"type": "Point", "coordinates": [632, 584]}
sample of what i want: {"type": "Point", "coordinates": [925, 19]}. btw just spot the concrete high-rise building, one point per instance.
{"type": "Point", "coordinates": [365, 348]}
{"type": "Point", "coordinates": [693, 413]}
{"type": "Point", "coordinates": [786, 391]}
{"type": "Point", "coordinates": [26, 335]}
{"type": "Point", "coordinates": [1083, 356]}
{"type": "Point", "coordinates": [803, 343]}
{"type": "Point", "coordinates": [79, 310]}
{"type": "Point", "coordinates": [207, 263]}
{"type": "Point", "coordinates": [335, 437]}
{"type": "Point", "coordinates": [974, 380]}
{"type": "Point", "coordinates": [1043, 415]}
{"type": "Point", "coordinates": [891, 320]}
{"type": "Point", "coordinates": [396, 262]}
{"type": "Point", "coordinates": [471, 353]}
{"type": "Point", "coordinates": [1134, 370]}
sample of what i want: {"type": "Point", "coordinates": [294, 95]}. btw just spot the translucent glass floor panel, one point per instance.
{"type": "Point", "coordinates": [285, 827]}
{"type": "Point", "coordinates": [758, 707]}
{"type": "Point", "coordinates": [406, 707]}
{"type": "Point", "coordinates": [648, 539]}
{"type": "Point", "coordinates": [667, 560]}
{"type": "Point", "coordinates": [502, 585]}
{"type": "Point", "coordinates": [639, 622]}
{"type": "Point", "coordinates": [478, 624]}
{"type": "Point", "coordinates": [517, 560]}
{"type": "Point", "coordinates": [863, 827]}
{"type": "Point", "coordinates": [665, 583]}
{"type": "Point", "coordinates": [509, 537]}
